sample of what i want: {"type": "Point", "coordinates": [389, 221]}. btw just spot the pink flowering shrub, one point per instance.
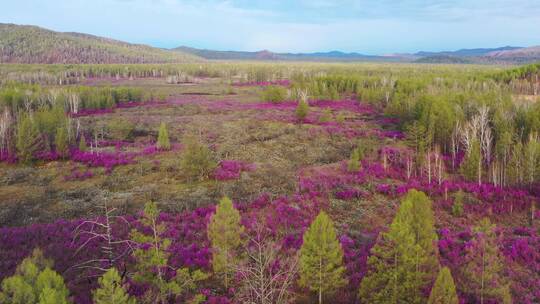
{"type": "Point", "coordinates": [231, 169]}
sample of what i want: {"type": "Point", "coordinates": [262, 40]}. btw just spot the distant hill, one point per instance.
{"type": "Point", "coordinates": [467, 52]}
{"type": "Point", "coordinates": [444, 59]}
{"type": "Point", "coordinates": [267, 55]}
{"type": "Point", "coordinates": [32, 44]}
{"type": "Point", "coordinates": [522, 55]}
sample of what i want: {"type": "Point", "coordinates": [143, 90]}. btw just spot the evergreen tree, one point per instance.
{"type": "Point", "coordinates": [52, 296]}
{"type": "Point", "coordinates": [354, 163]}
{"type": "Point", "coordinates": [28, 139]}
{"type": "Point", "coordinates": [51, 287]}
{"type": "Point", "coordinates": [225, 234]}
{"type": "Point", "coordinates": [302, 110]}
{"type": "Point", "coordinates": [82, 144]}
{"type": "Point", "coordinates": [34, 282]}
{"type": "Point", "coordinates": [321, 258]}
{"type": "Point", "coordinates": [61, 141]}
{"type": "Point", "coordinates": [482, 273]}
{"type": "Point", "coordinates": [163, 142]}
{"type": "Point", "coordinates": [197, 161]}
{"type": "Point", "coordinates": [471, 167]}
{"type": "Point", "coordinates": [444, 290]}
{"type": "Point", "coordinates": [457, 206]}
{"type": "Point", "coordinates": [111, 290]}
{"type": "Point", "coordinates": [151, 261]}
{"type": "Point", "coordinates": [404, 260]}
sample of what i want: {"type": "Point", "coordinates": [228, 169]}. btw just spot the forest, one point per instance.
{"type": "Point", "coordinates": [257, 182]}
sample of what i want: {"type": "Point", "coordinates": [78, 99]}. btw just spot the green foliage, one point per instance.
{"type": "Point", "coordinates": [151, 261]}
{"type": "Point", "coordinates": [120, 129]}
{"type": "Point", "coordinates": [471, 167]}
{"type": "Point", "coordinates": [302, 110]}
{"type": "Point", "coordinates": [34, 282]}
{"type": "Point", "coordinates": [404, 259]}
{"type": "Point", "coordinates": [163, 142]}
{"type": "Point", "coordinates": [340, 118]}
{"type": "Point", "coordinates": [457, 206]}
{"type": "Point", "coordinates": [111, 290]}
{"type": "Point", "coordinates": [61, 141]}
{"type": "Point", "coordinates": [28, 139]}
{"type": "Point", "coordinates": [197, 161]}
{"type": "Point", "coordinates": [482, 272]}
{"type": "Point", "coordinates": [275, 94]}
{"type": "Point", "coordinates": [354, 163]}
{"type": "Point", "coordinates": [82, 144]}
{"type": "Point", "coordinates": [444, 290]}
{"type": "Point", "coordinates": [321, 258]}
{"type": "Point", "coordinates": [326, 116]}
{"type": "Point", "coordinates": [225, 235]}
{"type": "Point", "coordinates": [417, 137]}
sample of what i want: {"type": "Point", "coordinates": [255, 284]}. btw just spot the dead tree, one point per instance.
{"type": "Point", "coordinates": [268, 274]}
{"type": "Point", "coordinates": [113, 247]}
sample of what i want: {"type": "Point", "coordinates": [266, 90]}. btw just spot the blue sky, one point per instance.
{"type": "Point", "coordinates": [366, 26]}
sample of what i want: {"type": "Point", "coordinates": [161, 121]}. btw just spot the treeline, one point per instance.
{"type": "Point", "coordinates": [72, 74]}
{"type": "Point", "coordinates": [36, 121]}
{"type": "Point", "coordinates": [252, 265]}
{"type": "Point", "coordinates": [472, 118]}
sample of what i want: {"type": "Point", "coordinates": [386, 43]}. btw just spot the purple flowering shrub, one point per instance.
{"type": "Point", "coordinates": [231, 169]}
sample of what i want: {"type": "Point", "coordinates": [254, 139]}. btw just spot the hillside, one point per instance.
{"type": "Point", "coordinates": [444, 59]}
{"type": "Point", "coordinates": [467, 52]}
{"type": "Point", "coordinates": [32, 44]}
{"type": "Point", "coordinates": [522, 55]}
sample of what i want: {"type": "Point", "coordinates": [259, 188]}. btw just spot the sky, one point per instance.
{"type": "Point", "coordinates": [365, 26]}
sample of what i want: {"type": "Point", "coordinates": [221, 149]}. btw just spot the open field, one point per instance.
{"type": "Point", "coordinates": [78, 138]}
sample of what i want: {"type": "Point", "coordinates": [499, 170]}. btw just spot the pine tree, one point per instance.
{"type": "Point", "coordinates": [471, 167]}
{"type": "Point", "coordinates": [82, 144]}
{"type": "Point", "coordinates": [151, 261]}
{"type": "Point", "coordinates": [61, 141]}
{"type": "Point", "coordinates": [482, 272]}
{"type": "Point", "coordinates": [51, 287]}
{"type": "Point", "coordinates": [163, 142]}
{"type": "Point", "coordinates": [302, 110]}
{"type": "Point", "coordinates": [34, 282]}
{"type": "Point", "coordinates": [111, 290]}
{"type": "Point", "coordinates": [52, 296]}
{"type": "Point", "coordinates": [225, 234]}
{"type": "Point", "coordinates": [354, 163]}
{"type": "Point", "coordinates": [404, 260]}
{"type": "Point", "coordinates": [28, 139]}
{"type": "Point", "coordinates": [321, 258]}
{"type": "Point", "coordinates": [197, 161]}
{"type": "Point", "coordinates": [444, 290]}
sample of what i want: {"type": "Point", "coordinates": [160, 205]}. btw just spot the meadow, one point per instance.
{"type": "Point", "coordinates": [250, 182]}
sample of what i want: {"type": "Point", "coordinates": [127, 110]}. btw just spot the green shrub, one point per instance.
{"type": "Point", "coordinates": [302, 110]}
{"type": "Point", "coordinates": [120, 129]}
{"type": "Point", "coordinates": [275, 94]}
{"type": "Point", "coordinates": [326, 116]}
{"type": "Point", "coordinates": [354, 163]}
{"type": "Point", "coordinates": [457, 206]}
{"type": "Point", "coordinates": [163, 142]}
{"type": "Point", "coordinates": [197, 161]}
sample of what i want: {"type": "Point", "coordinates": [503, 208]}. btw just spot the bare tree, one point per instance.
{"type": "Point", "coordinates": [266, 277]}
{"type": "Point", "coordinates": [5, 125]}
{"type": "Point", "coordinates": [113, 247]}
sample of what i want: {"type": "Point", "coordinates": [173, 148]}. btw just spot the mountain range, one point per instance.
{"type": "Point", "coordinates": [32, 44]}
